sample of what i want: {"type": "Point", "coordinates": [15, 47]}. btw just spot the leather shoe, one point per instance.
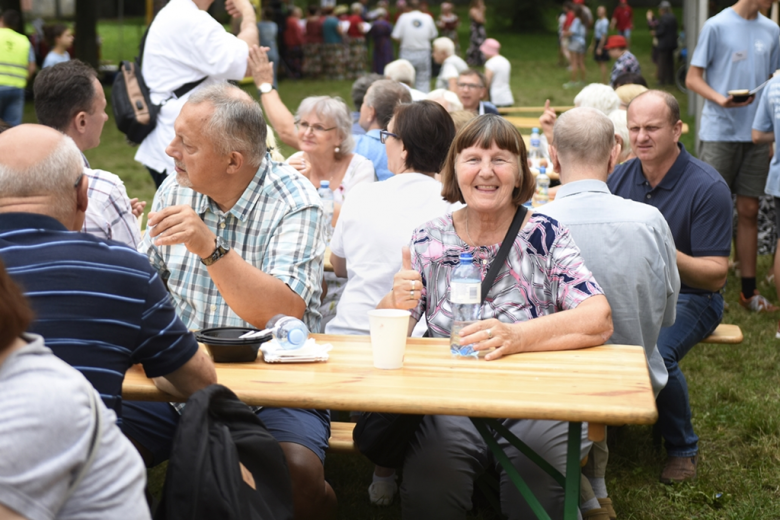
{"type": "Point", "coordinates": [679, 469]}
{"type": "Point", "coordinates": [606, 503]}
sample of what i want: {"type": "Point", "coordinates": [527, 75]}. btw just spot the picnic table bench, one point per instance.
{"type": "Point", "coordinates": [725, 334]}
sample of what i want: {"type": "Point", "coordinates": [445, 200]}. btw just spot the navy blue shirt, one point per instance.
{"type": "Point", "coordinates": [693, 198]}
{"type": "Point", "coordinates": [99, 305]}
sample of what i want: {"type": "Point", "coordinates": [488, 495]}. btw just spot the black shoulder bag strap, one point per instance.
{"type": "Point", "coordinates": [503, 251]}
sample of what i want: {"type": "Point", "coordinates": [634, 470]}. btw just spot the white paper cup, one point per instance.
{"type": "Point", "coordinates": [389, 328]}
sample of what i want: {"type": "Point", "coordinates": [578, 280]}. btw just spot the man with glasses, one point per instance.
{"type": "Point", "coordinates": [471, 91]}
{"type": "Point", "coordinates": [99, 305]}
{"type": "Point", "coordinates": [239, 238]}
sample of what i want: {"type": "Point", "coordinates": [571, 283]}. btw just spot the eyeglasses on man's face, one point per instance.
{"type": "Point", "coordinates": [384, 134]}
{"type": "Point", "coordinates": [316, 129]}
{"type": "Point", "coordinates": [469, 86]}
{"type": "Point", "coordinates": [78, 181]}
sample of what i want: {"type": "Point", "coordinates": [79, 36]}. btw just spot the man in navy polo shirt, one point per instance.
{"type": "Point", "coordinates": [696, 203]}
{"type": "Point", "coordinates": [98, 304]}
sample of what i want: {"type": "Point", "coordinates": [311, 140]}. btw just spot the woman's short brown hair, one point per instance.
{"type": "Point", "coordinates": [15, 314]}
{"type": "Point", "coordinates": [483, 131]}
{"type": "Point", "coordinates": [426, 131]}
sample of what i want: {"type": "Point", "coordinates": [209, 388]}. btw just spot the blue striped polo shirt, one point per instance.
{"type": "Point", "coordinates": [693, 198]}
{"type": "Point", "coordinates": [99, 305]}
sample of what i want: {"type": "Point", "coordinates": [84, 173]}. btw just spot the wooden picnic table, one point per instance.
{"type": "Point", "coordinates": [532, 110]}
{"type": "Point", "coordinates": [527, 123]}
{"type": "Point", "coordinates": [601, 385]}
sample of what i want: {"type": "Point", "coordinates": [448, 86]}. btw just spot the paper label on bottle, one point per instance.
{"type": "Point", "coordinates": [465, 293]}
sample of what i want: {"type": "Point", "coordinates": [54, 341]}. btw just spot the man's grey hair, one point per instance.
{"type": "Point", "coordinates": [619, 118]}
{"type": "Point", "coordinates": [401, 71]}
{"type": "Point", "coordinates": [383, 96]}
{"type": "Point", "coordinates": [52, 176]}
{"type": "Point", "coordinates": [237, 124]}
{"type": "Point", "coordinates": [360, 87]}
{"type": "Point", "coordinates": [584, 136]}
{"type": "Point", "coordinates": [333, 112]}
{"type": "Point", "coordinates": [598, 96]}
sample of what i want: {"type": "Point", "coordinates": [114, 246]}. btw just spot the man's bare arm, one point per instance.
{"type": "Point", "coordinates": [195, 374]}
{"type": "Point", "coordinates": [248, 29]}
{"type": "Point", "coordinates": [696, 82]}
{"type": "Point", "coordinates": [760, 137]}
{"type": "Point", "coordinates": [339, 265]}
{"type": "Point", "coordinates": [703, 272]}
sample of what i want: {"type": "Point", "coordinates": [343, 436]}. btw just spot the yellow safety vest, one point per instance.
{"type": "Point", "coordinates": [14, 56]}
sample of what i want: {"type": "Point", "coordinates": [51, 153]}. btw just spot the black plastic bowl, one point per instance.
{"type": "Point", "coordinates": [226, 346]}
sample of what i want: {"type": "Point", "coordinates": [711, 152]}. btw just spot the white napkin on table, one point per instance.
{"type": "Point", "coordinates": [310, 352]}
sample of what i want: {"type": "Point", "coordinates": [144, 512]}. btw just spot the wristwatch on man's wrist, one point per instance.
{"type": "Point", "coordinates": [220, 250]}
{"type": "Point", "coordinates": [265, 88]}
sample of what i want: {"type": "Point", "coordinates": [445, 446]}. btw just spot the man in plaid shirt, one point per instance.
{"type": "Point", "coordinates": [238, 238]}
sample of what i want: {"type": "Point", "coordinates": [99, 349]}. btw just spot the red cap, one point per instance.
{"type": "Point", "coordinates": [581, 2]}
{"type": "Point", "coordinates": [616, 42]}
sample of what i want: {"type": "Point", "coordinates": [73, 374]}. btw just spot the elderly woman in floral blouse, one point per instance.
{"type": "Point", "coordinates": [544, 298]}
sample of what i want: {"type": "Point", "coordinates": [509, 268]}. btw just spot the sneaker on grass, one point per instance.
{"type": "Point", "coordinates": [756, 303]}
{"type": "Point", "coordinates": [381, 493]}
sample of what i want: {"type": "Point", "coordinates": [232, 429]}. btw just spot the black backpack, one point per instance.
{"type": "Point", "coordinates": [134, 112]}
{"type": "Point", "coordinates": [224, 464]}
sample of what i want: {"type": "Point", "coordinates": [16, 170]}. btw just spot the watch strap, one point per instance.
{"type": "Point", "coordinates": [220, 250]}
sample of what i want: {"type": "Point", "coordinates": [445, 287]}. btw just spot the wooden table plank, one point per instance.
{"type": "Point", "coordinates": [527, 123]}
{"type": "Point", "coordinates": [532, 110]}
{"type": "Point", "coordinates": [608, 384]}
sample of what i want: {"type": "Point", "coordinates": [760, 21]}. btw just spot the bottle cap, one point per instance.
{"type": "Point", "coordinates": [466, 256]}
{"type": "Point", "coordinates": [296, 337]}
{"type": "Point", "coordinates": [534, 130]}
{"type": "Point", "coordinates": [542, 170]}
{"type": "Point", "coordinates": [324, 184]}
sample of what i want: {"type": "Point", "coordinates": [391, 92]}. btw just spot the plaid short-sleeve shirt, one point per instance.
{"type": "Point", "coordinates": [276, 226]}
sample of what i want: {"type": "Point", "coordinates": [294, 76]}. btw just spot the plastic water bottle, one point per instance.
{"type": "Point", "coordinates": [466, 300]}
{"type": "Point", "coordinates": [290, 332]}
{"type": "Point", "coordinates": [542, 195]}
{"type": "Point", "coordinates": [327, 205]}
{"type": "Point", "coordinates": [535, 151]}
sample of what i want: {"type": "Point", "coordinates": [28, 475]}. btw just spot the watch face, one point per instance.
{"type": "Point", "coordinates": [265, 88]}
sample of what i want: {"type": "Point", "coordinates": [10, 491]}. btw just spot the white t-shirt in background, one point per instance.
{"type": "Point", "coordinates": [184, 44]}
{"type": "Point", "coordinates": [500, 92]}
{"type": "Point", "coordinates": [415, 30]}
{"type": "Point", "coordinates": [450, 68]}
{"type": "Point", "coordinates": [375, 223]}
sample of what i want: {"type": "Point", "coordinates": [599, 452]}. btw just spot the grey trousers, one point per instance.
{"type": "Point", "coordinates": [421, 60]}
{"type": "Point", "coordinates": [448, 454]}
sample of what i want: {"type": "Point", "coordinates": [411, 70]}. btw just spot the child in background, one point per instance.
{"type": "Point", "coordinates": [600, 31]}
{"type": "Point", "coordinates": [448, 23]}
{"type": "Point", "coordinates": [60, 38]}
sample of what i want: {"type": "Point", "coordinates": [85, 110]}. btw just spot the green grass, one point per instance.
{"type": "Point", "coordinates": [733, 389]}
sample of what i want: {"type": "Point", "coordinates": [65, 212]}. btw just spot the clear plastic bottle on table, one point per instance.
{"type": "Point", "coordinates": [290, 332]}
{"type": "Point", "coordinates": [327, 205]}
{"type": "Point", "coordinates": [466, 302]}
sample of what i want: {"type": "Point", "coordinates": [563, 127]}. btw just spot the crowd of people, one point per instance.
{"type": "Point", "coordinates": [634, 248]}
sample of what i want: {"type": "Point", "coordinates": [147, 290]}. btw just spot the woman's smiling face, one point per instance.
{"type": "Point", "coordinates": [487, 177]}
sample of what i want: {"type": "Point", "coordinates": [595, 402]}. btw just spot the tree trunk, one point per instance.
{"type": "Point", "coordinates": [86, 45]}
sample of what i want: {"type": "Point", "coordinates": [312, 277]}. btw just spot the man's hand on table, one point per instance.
{"type": "Point", "coordinates": [181, 225]}
{"type": "Point", "coordinates": [492, 334]}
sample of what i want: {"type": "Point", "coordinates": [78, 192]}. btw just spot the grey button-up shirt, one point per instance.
{"type": "Point", "coordinates": [629, 248]}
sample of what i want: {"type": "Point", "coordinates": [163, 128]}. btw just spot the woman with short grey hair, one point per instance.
{"type": "Point", "coordinates": [324, 127]}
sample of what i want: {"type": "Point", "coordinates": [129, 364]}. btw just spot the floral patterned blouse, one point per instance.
{"type": "Point", "coordinates": [544, 273]}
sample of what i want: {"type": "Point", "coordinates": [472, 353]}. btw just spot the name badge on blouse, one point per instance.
{"type": "Point", "coordinates": [739, 56]}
